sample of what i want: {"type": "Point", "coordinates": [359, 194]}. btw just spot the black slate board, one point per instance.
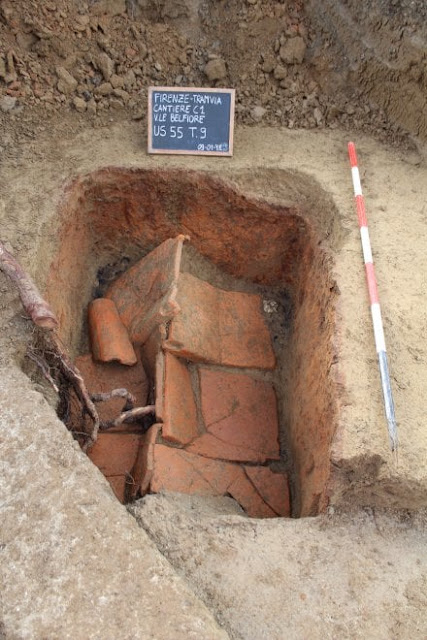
{"type": "Point", "coordinates": [188, 120]}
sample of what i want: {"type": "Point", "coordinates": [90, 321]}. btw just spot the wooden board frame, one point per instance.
{"type": "Point", "coordinates": [230, 92]}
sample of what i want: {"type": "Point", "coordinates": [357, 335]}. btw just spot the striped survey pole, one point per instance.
{"type": "Point", "coordinates": [373, 296]}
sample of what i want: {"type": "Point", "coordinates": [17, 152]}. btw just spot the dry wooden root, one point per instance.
{"type": "Point", "coordinates": [116, 393]}
{"type": "Point", "coordinates": [133, 415]}
{"type": "Point", "coordinates": [37, 308]}
{"type": "Point", "coordinates": [73, 375]}
{"type": "Point", "coordinates": [42, 316]}
{"type": "Point", "coordinates": [44, 368]}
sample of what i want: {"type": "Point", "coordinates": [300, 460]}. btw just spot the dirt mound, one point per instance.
{"type": "Point", "coordinates": [291, 65]}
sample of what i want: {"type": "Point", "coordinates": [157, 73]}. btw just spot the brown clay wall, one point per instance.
{"type": "Point", "coordinates": [311, 387]}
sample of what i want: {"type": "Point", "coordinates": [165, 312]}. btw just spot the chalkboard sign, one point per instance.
{"type": "Point", "coordinates": [190, 120]}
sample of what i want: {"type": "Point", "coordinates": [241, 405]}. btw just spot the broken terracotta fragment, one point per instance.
{"type": "Point", "coordinates": [179, 413]}
{"type": "Point", "coordinates": [144, 464]}
{"type": "Point", "coordinates": [240, 415]}
{"type": "Point", "coordinates": [109, 338]}
{"type": "Point", "coordinates": [145, 295]}
{"type": "Point", "coordinates": [178, 470]}
{"type": "Point", "coordinates": [104, 377]}
{"type": "Point", "coordinates": [244, 492]}
{"type": "Point", "coordinates": [272, 487]}
{"type": "Point", "coordinates": [219, 327]}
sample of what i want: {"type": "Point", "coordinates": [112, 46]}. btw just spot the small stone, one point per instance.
{"type": "Point", "coordinates": [129, 80]}
{"type": "Point", "coordinates": [2, 68]}
{"type": "Point", "coordinates": [104, 89]}
{"type": "Point", "coordinates": [8, 12]}
{"type": "Point", "coordinates": [280, 72]}
{"type": "Point", "coordinates": [79, 104]}
{"type": "Point", "coordinates": [110, 7]}
{"type": "Point", "coordinates": [293, 51]}
{"type": "Point", "coordinates": [270, 306]}
{"type": "Point", "coordinates": [130, 52]}
{"type": "Point", "coordinates": [7, 103]}
{"type": "Point", "coordinates": [105, 65]}
{"type": "Point", "coordinates": [143, 51]}
{"type": "Point", "coordinates": [66, 83]}
{"type": "Point", "coordinates": [317, 115]}
{"type": "Point", "coordinates": [117, 82]}
{"type": "Point", "coordinates": [268, 66]}
{"type": "Point", "coordinates": [120, 93]}
{"type": "Point", "coordinates": [215, 69]}
{"type": "Point", "coordinates": [91, 107]}
{"type": "Point", "coordinates": [257, 113]}
{"type": "Point", "coordinates": [26, 40]}
{"type": "Point", "coordinates": [83, 19]}
{"type": "Point", "coordinates": [183, 57]}
{"type": "Point", "coordinates": [115, 103]}
{"type": "Point", "coordinates": [140, 115]}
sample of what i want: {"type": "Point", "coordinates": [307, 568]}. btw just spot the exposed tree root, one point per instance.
{"type": "Point", "coordinates": [116, 393]}
{"type": "Point", "coordinates": [75, 378]}
{"type": "Point", "coordinates": [133, 415]}
{"type": "Point", "coordinates": [53, 360]}
{"type": "Point", "coordinates": [36, 307]}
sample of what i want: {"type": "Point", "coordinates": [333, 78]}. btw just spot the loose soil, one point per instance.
{"type": "Point", "coordinates": [357, 571]}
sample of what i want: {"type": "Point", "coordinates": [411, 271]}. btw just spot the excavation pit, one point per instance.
{"type": "Point", "coordinates": [276, 250]}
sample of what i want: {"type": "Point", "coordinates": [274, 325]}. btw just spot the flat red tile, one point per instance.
{"type": "Point", "coordinates": [244, 492]}
{"type": "Point", "coordinates": [272, 487]}
{"type": "Point", "coordinates": [240, 415]}
{"type": "Point", "coordinates": [177, 470]}
{"type": "Point", "coordinates": [219, 327]}
{"type": "Point", "coordinates": [144, 464]}
{"type": "Point", "coordinates": [119, 486]}
{"type": "Point", "coordinates": [115, 453]}
{"type": "Point", "coordinates": [179, 407]}
{"type": "Point", "coordinates": [145, 294]}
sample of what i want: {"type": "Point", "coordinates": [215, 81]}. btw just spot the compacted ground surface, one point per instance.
{"type": "Point", "coordinates": [74, 562]}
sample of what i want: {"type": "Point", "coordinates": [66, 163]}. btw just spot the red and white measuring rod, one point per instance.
{"type": "Point", "coordinates": [373, 295]}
